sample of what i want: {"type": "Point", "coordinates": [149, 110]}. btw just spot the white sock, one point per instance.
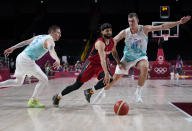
{"type": "Point", "coordinates": [139, 89]}
{"type": "Point", "coordinates": [60, 95]}
{"type": "Point", "coordinates": [38, 88]}
{"type": "Point", "coordinates": [139, 86]}
{"type": "Point", "coordinates": [93, 88]}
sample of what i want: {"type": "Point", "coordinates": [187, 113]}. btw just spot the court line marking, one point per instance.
{"type": "Point", "coordinates": [180, 110]}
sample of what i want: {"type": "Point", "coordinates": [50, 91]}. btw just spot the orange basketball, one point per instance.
{"type": "Point", "coordinates": [121, 108]}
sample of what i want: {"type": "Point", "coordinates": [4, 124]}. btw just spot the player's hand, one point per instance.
{"type": "Point", "coordinates": [56, 64]}
{"type": "Point", "coordinates": [107, 79]}
{"type": "Point", "coordinates": [185, 19]}
{"type": "Point", "coordinates": [8, 51]}
{"type": "Point", "coordinates": [121, 66]}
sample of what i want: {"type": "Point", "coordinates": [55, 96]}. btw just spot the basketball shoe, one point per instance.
{"type": "Point", "coordinates": [138, 95]}
{"type": "Point", "coordinates": [56, 100]}
{"type": "Point", "coordinates": [35, 104]}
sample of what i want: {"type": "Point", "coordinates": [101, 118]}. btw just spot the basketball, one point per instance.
{"type": "Point", "coordinates": [121, 108]}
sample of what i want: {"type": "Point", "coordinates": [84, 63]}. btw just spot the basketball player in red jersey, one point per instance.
{"type": "Point", "coordinates": [96, 64]}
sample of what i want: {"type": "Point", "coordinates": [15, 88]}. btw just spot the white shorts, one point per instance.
{"type": "Point", "coordinates": [128, 65]}
{"type": "Point", "coordinates": [26, 66]}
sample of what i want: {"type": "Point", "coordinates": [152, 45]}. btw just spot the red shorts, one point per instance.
{"type": "Point", "coordinates": [89, 70]}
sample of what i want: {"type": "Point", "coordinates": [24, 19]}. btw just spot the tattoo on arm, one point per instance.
{"type": "Point", "coordinates": [51, 47]}
{"type": "Point", "coordinates": [21, 44]}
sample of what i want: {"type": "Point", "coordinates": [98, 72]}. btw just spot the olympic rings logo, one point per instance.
{"type": "Point", "coordinates": [160, 70]}
{"type": "Point", "coordinates": [160, 59]}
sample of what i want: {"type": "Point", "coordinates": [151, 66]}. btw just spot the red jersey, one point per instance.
{"type": "Point", "coordinates": [94, 55]}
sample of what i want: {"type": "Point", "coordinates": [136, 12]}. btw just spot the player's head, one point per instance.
{"type": "Point", "coordinates": [133, 19]}
{"type": "Point", "coordinates": [55, 32]}
{"type": "Point", "coordinates": [106, 30]}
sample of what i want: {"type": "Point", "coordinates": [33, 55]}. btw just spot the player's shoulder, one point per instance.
{"type": "Point", "coordinates": [112, 40]}
{"type": "Point", "coordinates": [99, 40]}
{"type": "Point", "coordinates": [49, 37]}
{"type": "Point", "coordinates": [126, 30]}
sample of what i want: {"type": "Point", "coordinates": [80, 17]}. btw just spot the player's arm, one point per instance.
{"type": "Point", "coordinates": [116, 39]}
{"type": "Point", "coordinates": [21, 44]}
{"type": "Point", "coordinates": [182, 63]}
{"type": "Point", "coordinates": [119, 36]}
{"type": "Point", "coordinates": [149, 28]}
{"type": "Point", "coordinates": [50, 45]}
{"type": "Point", "coordinates": [115, 54]}
{"type": "Point", "coordinates": [100, 46]}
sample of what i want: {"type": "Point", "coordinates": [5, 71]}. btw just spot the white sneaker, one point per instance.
{"type": "Point", "coordinates": [101, 94]}
{"type": "Point", "coordinates": [139, 100]}
{"type": "Point", "coordinates": [138, 95]}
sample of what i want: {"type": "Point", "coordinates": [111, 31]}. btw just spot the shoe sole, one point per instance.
{"type": "Point", "coordinates": [35, 106]}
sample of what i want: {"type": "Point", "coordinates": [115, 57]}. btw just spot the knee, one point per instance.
{"type": "Point", "coordinates": [145, 67]}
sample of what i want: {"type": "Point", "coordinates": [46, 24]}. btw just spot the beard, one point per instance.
{"type": "Point", "coordinates": [107, 36]}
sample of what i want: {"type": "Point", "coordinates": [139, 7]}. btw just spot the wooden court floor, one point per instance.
{"type": "Point", "coordinates": [75, 114]}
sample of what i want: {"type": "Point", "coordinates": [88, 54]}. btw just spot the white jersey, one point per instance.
{"type": "Point", "coordinates": [135, 44]}
{"type": "Point", "coordinates": [35, 50]}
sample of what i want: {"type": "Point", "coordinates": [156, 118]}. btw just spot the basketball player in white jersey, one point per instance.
{"type": "Point", "coordinates": [25, 61]}
{"type": "Point", "coordinates": [136, 39]}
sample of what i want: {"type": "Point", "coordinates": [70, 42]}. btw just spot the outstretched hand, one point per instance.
{"type": "Point", "coordinates": [8, 51]}
{"type": "Point", "coordinates": [185, 19]}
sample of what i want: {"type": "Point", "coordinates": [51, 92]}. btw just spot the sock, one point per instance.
{"type": "Point", "coordinates": [139, 86]}
{"type": "Point", "coordinates": [60, 95]}
{"type": "Point", "coordinates": [139, 89]}
{"type": "Point", "coordinates": [93, 89]}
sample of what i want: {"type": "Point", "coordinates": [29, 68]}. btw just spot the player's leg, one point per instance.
{"type": "Point", "coordinates": [116, 77]}
{"type": "Point", "coordinates": [119, 73]}
{"type": "Point", "coordinates": [143, 66]}
{"type": "Point", "coordinates": [56, 98]}
{"type": "Point", "coordinates": [19, 74]}
{"type": "Point", "coordinates": [43, 81]}
{"type": "Point", "coordinates": [86, 74]}
{"type": "Point", "coordinates": [13, 82]}
{"type": "Point", "coordinates": [100, 84]}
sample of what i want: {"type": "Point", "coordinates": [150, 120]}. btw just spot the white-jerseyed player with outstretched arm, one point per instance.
{"type": "Point", "coordinates": [136, 39]}
{"type": "Point", "coordinates": [37, 47]}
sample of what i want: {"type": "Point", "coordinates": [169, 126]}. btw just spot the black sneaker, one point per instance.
{"type": "Point", "coordinates": [56, 100]}
{"type": "Point", "coordinates": [88, 93]}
